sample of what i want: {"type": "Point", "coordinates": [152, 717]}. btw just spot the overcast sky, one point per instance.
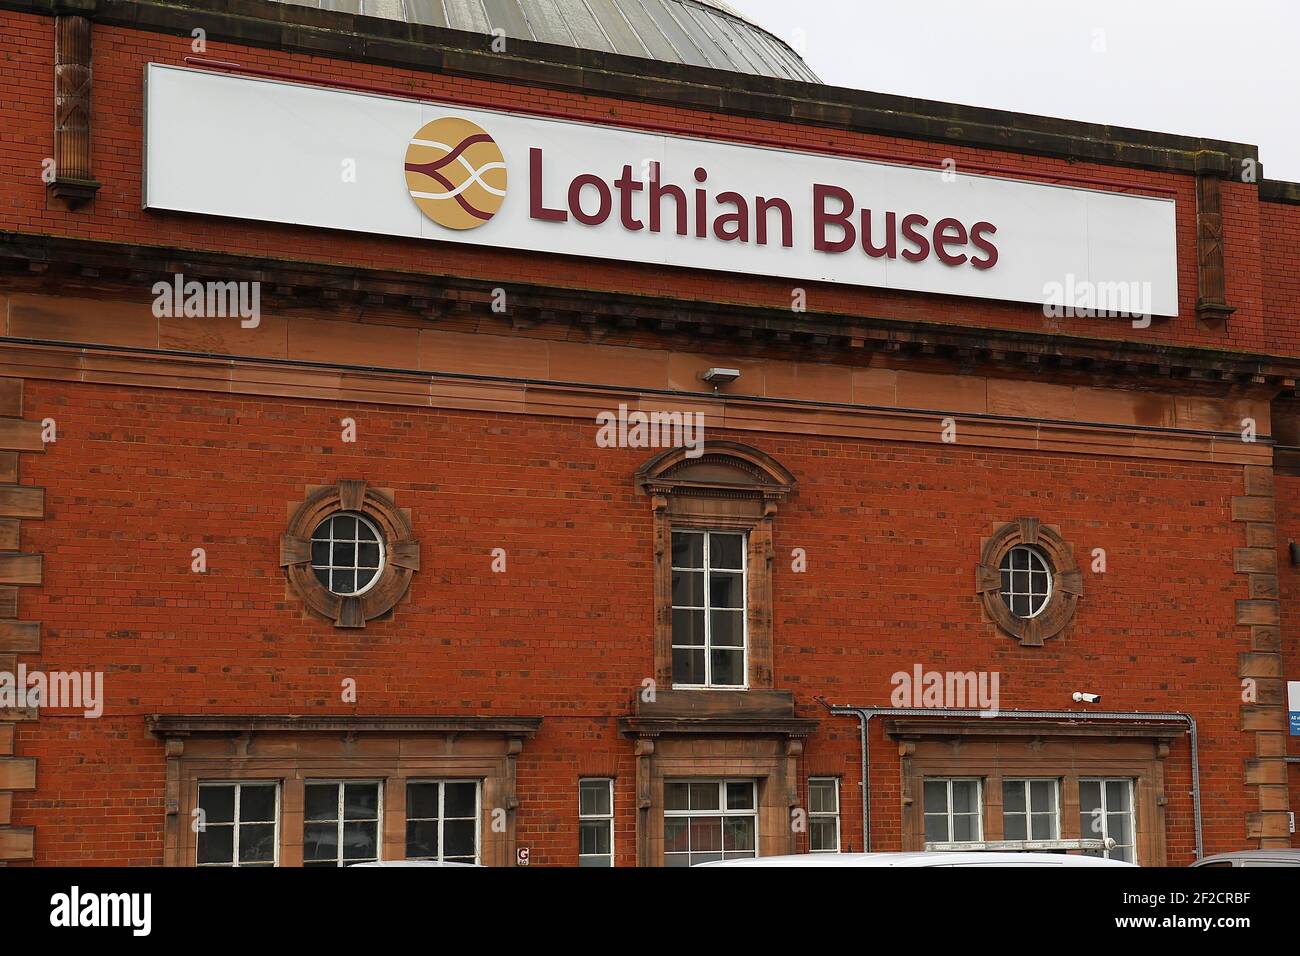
{"type": "Point", "coordinates": [1223, 70]}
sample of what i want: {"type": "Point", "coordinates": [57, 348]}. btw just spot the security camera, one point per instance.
{"type": "Point", "coordinates": [1081, 698]}
{"type": "Point", "coordinates": [721, 376]}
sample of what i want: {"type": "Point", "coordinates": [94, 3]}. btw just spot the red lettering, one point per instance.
{"type": "Point", "coordinates": [822, 218]}
{"type": "Point", "coordinates": [942, 240]}
{"type": "Point", "coordinates": [536, 209]}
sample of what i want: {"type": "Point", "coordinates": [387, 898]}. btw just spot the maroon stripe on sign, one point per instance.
{"type": "Point", "coordinates": [428, 170]}
{"type": "Point", "coordinates": [463, 145]}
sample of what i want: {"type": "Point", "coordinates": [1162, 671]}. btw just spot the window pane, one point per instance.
{"type": "Point", "coordinates": [217, 844]}
{"type": "Point", "coordinates": [821, 834]}
{"type": "Point", "coordinates": [1013, 796]}
{"type": "Point", "coordinates": [421, 838]}
{"type": "Point", "coordinates": [593, 798]}
{"type": "Point", "coordinates": [726, 589]}
{"type": "Point", "coordinates": [1044, 826]}
{"type": "Point", "coordinates": [218, 804]}
{"type": "Point", "coordinates": [422, 801]}
{"type": "Point", "coordinates": [320, 841]}
{"type": "Point", "coordinates": [706, 834]}
{"type": "Point", "coordinates": [676, 796]}
{"type": "Point", "coordinates": [738, 833]}
{"type": "Point", "coordinates": [1117, 795]}
{"type": "Point", "coordinates": [936, 828]}
{"type": "Point", "coordinates": [361, 840]}
{"type": "Point", "coordinates": [1041, 794]}
{"type": "Point", "coordinates": [740, 796]}
{"type": "Point", "coordinates": [936, 796]}
{"type": "Point", "coordinates": [461, 800]}
{"type": "Point", "coordinates": [1117, 827]}
{"type": "Point", "coordinates": [257, 803]}
{"type": "Point", "coordinates": [688, 666]}
{"type": "Point", "coordinates": [822, 796]}
{"type": "Point", "coordinates": [595, 861]}
{"type": "Point", "coordinates": [320, 552]}
{"type": "Point", "coordinates": [1089, 796]}
{"type": "Point", "coordinates": [368, 555]}
{"type": "Point", "coordinates": [727, 551]}
{"type": "Point", "coordinates": [688, 550]}
{"type": "Point", "coordinates": [320, 801]}
{"type": "Point", "coordinates": [676, 834]}
{"type": "Point", "coordinates": [728, 628]}
{"type": "Point", "coordinates": [343, 526]}
{"type": "Point", "coordinates": [704, 796]}
{"type": "Point", "coordinates": [365, 533]}
{"type": "Point", "coordinates": [1013, 827]}
{"type": "Point", "coordinates": [458, 836]}
{"type": "Point", "coordinates": [256, 842]}
{"type": "Point", "coordinates": [728, 667]}
{"type": "Point", "coordinates": [593, 836]}
{"type": "Point", "coordinates": [688, 627]}
{"type": "Point", "coordinates": [965, 827]}
{"type": "Point", "coordinates": [360, 801]}
{"type": "Point", "coordinates": [688, 589]}
{"type": "Point", "coordinates": [344, 582]}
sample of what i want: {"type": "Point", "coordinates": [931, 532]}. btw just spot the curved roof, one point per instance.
{"type": "Point", "coordinates": [705, 33]}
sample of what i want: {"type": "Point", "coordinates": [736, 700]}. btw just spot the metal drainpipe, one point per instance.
{"type": "Point", "coordinates": [864, 715]}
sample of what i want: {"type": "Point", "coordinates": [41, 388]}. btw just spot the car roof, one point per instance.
{"type": "Point", "coordinates": [1281, 856]}
{"type": "Point", "coordinates": [926, 858]}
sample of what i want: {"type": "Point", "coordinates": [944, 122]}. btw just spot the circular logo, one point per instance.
{"type": "Point", "coordinates": [456, 173]}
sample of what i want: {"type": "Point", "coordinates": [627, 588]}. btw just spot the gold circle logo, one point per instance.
{"type": "Point", "coordinates": [456, 173]}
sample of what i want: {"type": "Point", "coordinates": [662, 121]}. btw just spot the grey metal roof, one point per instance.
{"type": "Point", "coordinates": [697, 32]}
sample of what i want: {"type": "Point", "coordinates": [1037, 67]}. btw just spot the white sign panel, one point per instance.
{"type": "Point", "coordinates": [265, 150]}
{"type": "Point", "coordinates": [1293, 705]}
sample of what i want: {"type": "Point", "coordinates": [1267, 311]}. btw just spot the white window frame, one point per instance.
{"type": "Point", "coordinates": [339, 783]}
{"type": "Point", "coordinates": [1035, 555]}
{"type": "Point", "coordinates": [706, 533]}
{"type": "Point", "coordinates": [607, 818]}
{"type": "Point", "coordinates": [824, 815]}
{"type": "Point", "coordinates": [1129, 782]}
{"type": "Point", "coordinates": [379, 536]}
{"type": "Point", "coordinates": [979, 807]}
{"type": "Point", "coordinates": [722, 811]}
{"type": "Point", "coordinates": [1029, 814]}
{"type": "Point", "coordinates": [235, 825]}
{"type": "Point", "coordinates": [442, 815]}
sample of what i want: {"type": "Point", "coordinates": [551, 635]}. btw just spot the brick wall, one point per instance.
{"type": "Point", "coordinates": [138, 478]}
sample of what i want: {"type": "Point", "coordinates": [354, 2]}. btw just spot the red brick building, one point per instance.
{"type": "Point", "coordinates": [362, 579]}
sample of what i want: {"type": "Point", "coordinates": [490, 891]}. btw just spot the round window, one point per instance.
{"type": "Point", "coordinates": [1026, 581]}
{"type": "Point", "coordinates": [347, 553]}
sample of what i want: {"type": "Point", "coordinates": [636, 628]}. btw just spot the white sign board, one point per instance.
{"type": "Point", "coordinates": [255, 149]}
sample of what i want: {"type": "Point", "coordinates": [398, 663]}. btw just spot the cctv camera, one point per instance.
{"type": "Point", "coordinates": [721, 376]}
{"type": "Point", "coordinates": [1081, 697]}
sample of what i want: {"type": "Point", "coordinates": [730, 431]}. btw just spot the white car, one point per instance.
{"type": "Point", "coordinates": [926, 858]}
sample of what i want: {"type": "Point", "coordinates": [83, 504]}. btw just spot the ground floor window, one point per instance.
{"type": "Point", "coordinates": [1106, 812]}
{"type": "Point", "coordinates": [596, 822]}
{"type": "Point", "coordinates": [442, 820]}
{"type": "Point", "coordinates": [953, 812]}
{"type": "Point", "coordinates": [340, 822]}
{"type": "Point", "coordinates": [238, 824]}
{"type": "Point", "coordinates": [1030, 810]}
{"type": "Point", "coordinates": [824, 814]}
{"type": "Point", "coordinates": [709, 820]}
